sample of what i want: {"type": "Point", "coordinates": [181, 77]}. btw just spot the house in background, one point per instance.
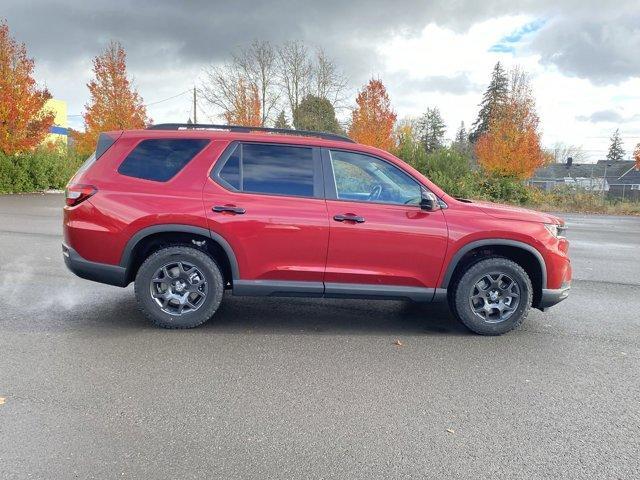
{"type": "Point", "coordinates": [627, 186]}
{"type": "Point", "coordinates": [618, 178]}
{"type": "Point", "coordinates": [59, 131]}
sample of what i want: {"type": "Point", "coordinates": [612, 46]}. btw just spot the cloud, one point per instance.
{"type": "Point", "coordinates": [164, 34]}
{"type": "Point", "coordinates": [457, 84]}
{"type": "Point", "coordinates": [601, 49]}
{"type": "Point", "coordinates": [607, 116]}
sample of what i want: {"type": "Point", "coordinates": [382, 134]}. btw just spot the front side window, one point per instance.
{"type": "Point", "coordinates": [364, 178]}
{"type": "Point", "coordinates": [270, 169]}
{"type": "Point", "coordinates": [160, 159]}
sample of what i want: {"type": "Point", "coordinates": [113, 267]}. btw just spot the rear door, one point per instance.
{"type": "Point", "coordinates": [267, 201]}
{"type": "Point", "coordinates": [380, 238]}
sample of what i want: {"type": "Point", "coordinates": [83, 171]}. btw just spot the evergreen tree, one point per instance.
{"type": "Point", "coordinates": [461, 142]}
{"type": "Point", "coordinates": [316, 113]}
{"type": "Point", "coordinates": [432, 128]}
{"type": "Point", "coordinates": [281, 121]}
{"type": "Point", "coordinates": [494, 97]}
{"type": "Point", "coordinates": [616, 152]}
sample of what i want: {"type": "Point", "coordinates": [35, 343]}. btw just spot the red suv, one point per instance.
{"type": "Point", "coordinates": [186, 212]}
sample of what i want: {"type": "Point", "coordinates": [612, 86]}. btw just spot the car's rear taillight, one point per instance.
{"type": "Point", "coordinates": [76, 193]}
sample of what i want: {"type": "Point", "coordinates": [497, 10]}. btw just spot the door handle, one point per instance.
{"type": "Point", "coordinates": [229, 208]}
{"type": "Point", "coordinates": [348, 218]}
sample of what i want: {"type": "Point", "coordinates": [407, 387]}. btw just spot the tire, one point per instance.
{"type": "Point", "coordinates": [504, 304]}
{"type": "Point", "coordinates": [179, 287]}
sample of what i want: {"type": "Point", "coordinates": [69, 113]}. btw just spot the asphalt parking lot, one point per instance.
{"type": "Point", "coordinates": [301, 388]}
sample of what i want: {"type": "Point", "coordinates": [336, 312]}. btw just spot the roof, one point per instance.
{"type": "Point", "coordinates": [247, 134]}
{"type": "Point", "coordinates": [630, 177]}
{"type": "Point", "coordinates": [248, 129]}
{"type": "Point", "coordinates": [559, 171]}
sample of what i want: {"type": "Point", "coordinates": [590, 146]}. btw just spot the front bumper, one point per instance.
{"type": "Point", "coordinates": [97, 272]}
{"type": "Point", "coordinates": [552, 296]}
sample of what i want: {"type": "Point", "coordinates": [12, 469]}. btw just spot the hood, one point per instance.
{"type": "Point", "coordinates": [509, 212]}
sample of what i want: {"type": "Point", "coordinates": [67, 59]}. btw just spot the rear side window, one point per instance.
{"type": "Point", "coordinates": [160, 159]}
{"type": "Point", "coordinates": [231, 171]}
{"type": "Point", "coordinates": [270, 169]}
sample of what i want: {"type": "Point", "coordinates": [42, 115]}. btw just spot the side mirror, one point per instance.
{"type": "Point", "coordinates": [429, 202]}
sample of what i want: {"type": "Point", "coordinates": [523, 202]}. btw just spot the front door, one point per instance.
{"type": "Point", "coordinates": [380, 238]}
{"type": "Point", "coordinates": [267, 201]}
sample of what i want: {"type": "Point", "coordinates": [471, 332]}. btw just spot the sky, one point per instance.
{"type": "Point", "coordinates": [583, 56]}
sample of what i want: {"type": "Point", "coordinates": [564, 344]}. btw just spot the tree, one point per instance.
{"type": "Point", "coordinates": [373, 119]}
{"type": "Point", "coordinates": [315, 113]}
{"type": "Point", "coordinates": [329, 82]}
{"type": "Point", "coordinates": [616, 152]}
{"type": "Point", "coordinates": [245, 109]}
{"type": "Point", "coordinates": [251, 71]}
{"type": "Point", "coordinates": [114, 103]}
{"type": "Point", "coordinates": [461, 141]}
{"type": "Point", "coordinates": [281, 121]}
{"type": "Point", "coordinates": [258, 65]}
{"type": "Point", "coordinates": [561, 152]}
{"type": "Point", "coordinates": [636, 156]}
{"type": "Point", "coordinates": [511, 145]}
{"type": "Point", "coordinates": [493, 99]}
{"type": "Point", "coordinates": [408, 145]}
{"type": "Point", "coordinates": [295, 72]}
{"type": "Point", "coordinates": [432, 129]}
{"type": "Point", "coordinates": [508, 149]}
{"type": "Point", "coordinates": [23, 123]}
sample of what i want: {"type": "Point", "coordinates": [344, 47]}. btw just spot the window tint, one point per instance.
{"type": "Point", "coordinates": [368, 179]}
{"type": "Point", "coordinates": [230, 173]}
{"type": "Point", "coordinates": [160, 159]}
{"type": "Point", "coordinates": [277, 169]}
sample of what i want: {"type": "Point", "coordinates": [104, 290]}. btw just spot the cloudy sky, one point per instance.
{"type": "Point", "coordinates": [583, 55]}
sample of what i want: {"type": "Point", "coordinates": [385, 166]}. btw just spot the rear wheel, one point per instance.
{"type": "Point", "coordinates": [493, 296]}
{"type": "Point", "coordinates": [179, 287]}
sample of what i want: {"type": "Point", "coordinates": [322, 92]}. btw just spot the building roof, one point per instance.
{"type": "Point", "coordinates": [630, 177]}
{"type": "Point", "coordinates": [559, 171]}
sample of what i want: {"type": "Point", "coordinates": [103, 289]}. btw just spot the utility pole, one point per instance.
{"type": "Point", "coordinates": [195, 115]}
{"type": "Point", "coordinates": [604, 180]}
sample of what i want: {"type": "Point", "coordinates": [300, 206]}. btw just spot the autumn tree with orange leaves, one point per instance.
{"type": "Point", "coordinates": [511, 145]}
{"type": "Point", "coordinates": [373, 119]}
{"type": "Point", "coordinates": [115, 104]}
{"type": "Point", "coordinates": [636, 156]}
{"type": "Point", "coordinates": [245, 106]}
{"type": "Point", "coordinates": [23, 123]}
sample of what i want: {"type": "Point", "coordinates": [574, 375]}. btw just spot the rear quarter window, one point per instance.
{"type": "Point", "coordinates": [160, 159]}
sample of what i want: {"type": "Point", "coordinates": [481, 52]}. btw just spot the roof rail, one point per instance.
{"type": "Point", "coordinates": [243, 129]}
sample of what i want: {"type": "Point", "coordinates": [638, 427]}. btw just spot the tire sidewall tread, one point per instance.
{"type": "Point", "coordinates": [460, 300]}
{"type": "Point", "coordinates": [204, 262]}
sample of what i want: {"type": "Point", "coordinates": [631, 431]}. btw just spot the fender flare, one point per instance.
{"type": "Point", "coordinates": [125, 259]}
{"type": "Point", "coordinates": [489, 242]}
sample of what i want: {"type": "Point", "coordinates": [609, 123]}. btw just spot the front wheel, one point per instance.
{"type": "Point", "coordinates": [493, 296]}
{"type": "Point", "coordinates": [179, 287]}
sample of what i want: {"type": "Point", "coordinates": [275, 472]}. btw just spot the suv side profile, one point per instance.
{"type": "Point", "coordinates": [186, 212]}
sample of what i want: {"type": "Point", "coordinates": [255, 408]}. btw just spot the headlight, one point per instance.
{"type": "Point", "coordinates": [557, 231]}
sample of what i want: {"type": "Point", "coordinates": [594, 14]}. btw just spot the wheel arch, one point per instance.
{"type": "Point", "coordinates": [528, 257]}
{"type": "Point", "coordinates": [145, 241]}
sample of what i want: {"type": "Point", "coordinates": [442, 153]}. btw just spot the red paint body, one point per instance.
{"type": "Point", "coordinates": [293, 238]}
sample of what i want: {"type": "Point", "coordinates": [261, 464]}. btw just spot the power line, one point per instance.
{"type": "Point", "coordinates": [169, 98]}
{"type": "Point", "coordinates": [148, 104]}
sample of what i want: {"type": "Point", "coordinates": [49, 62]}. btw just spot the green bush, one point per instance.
{"type": "Point", "coordinates": [450, 170]}
{"type": "Point", "coordinates": [38, 170]}
{"type": "Point", "coordinates": [501, 189]}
